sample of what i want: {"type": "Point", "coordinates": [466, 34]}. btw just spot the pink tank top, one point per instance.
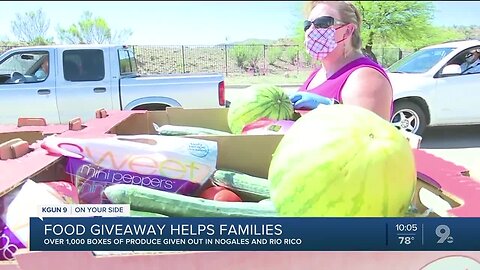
{"type": "Point", "coordinates": [332, 87]}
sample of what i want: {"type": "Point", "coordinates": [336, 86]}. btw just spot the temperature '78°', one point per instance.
{"type": "Point", "coordinates": [406, 240]}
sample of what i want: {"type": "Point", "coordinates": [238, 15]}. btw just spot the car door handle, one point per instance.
{"type": "Point", "coordinates": [43, 91]}
{"type": "Point", "coordinates": [99, 89]}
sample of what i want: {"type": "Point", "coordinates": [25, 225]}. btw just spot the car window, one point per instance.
{"type": "Point", "coordinates": [421, 61]}
{"type": "Point", "coordinates": [29, 67]}
{"type": "Point", "coordinates": [127, 61]}
{"type": "Point", "coordinates": [469, 61]}
{"type": "Point", "coordinates": [83, 65]}
{"type": "Point", "coordinates": [124, 62]}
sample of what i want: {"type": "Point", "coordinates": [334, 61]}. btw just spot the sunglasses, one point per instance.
{"type": "Point", "coordinates": [472, 52]}
{"type": "Point", "coordinates": [320, 22]}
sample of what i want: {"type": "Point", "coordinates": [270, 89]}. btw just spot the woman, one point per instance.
{"type": "Point", "coordinates": [332, 35]}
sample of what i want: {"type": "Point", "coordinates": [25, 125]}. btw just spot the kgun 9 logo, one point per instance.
{"type": "Point", "coordinates": [443, 232]}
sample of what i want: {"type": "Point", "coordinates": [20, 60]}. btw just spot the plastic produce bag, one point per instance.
{"type": "Point", "coordinates": [64, 190]}
{"type": "Point", "coordinates": [17, 207]}
{"type": "Point", "coordinates": [265, 126]}
{"type": "Point", "coordinates": [172, 164]}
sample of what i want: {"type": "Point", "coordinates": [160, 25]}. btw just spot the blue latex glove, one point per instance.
{"type": "Point", "coordinates": [309, 101]}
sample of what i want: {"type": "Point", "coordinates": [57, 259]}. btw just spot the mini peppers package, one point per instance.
{"type": "Point", "coordinates": [173, 164]}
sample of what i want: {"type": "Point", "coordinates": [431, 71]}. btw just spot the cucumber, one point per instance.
{"type": "Point", "coordinates": [171, 130]}
{"type": "Point", "coordinates": [134, 213]}
{"type": "Point", "coordinates": [250, 188]}
{"type": "Point", "coordinates": [176, 205]}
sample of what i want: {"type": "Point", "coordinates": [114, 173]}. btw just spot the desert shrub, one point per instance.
{"type": "Point", "coordinates": [247, 55]}
{"type": "Point", "coordinates": [292, 54]}
{"type": "Point", "coordinates": [274, 53]}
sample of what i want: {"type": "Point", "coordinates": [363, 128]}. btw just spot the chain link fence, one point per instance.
{"type": "Point", "coordinates": [227, 59]}
{"type": "Point", "coordinates": [234, 59]}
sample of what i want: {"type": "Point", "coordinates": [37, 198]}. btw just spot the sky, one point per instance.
{"type": "Point", "coordinates": [198, 22]}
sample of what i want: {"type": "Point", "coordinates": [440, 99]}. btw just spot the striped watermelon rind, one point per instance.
{"type": "Point", "coordinates": [259, 101]}
{"type": "Point", "coordinates": [342, 161]}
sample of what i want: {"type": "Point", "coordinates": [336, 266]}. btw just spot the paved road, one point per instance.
{"type": "Point", "coordinates": [460, 145]}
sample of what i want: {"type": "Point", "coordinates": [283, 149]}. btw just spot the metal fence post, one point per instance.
{"type": "Point", "coordinates": [226, 60]}
{"type": "Point", "coordinates": [264, 59]}
{"type": "Point", "coordinates": [183, 58]}
{"type": "Point", "coordinates": [297, 61]}
{"type": "Point", "coordinates": [135, 54]}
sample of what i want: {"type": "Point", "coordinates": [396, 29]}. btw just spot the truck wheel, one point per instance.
{"type": "Point", "coordinates": [151, 107]}
{"type": "Point", "coordinates": [409, 117]}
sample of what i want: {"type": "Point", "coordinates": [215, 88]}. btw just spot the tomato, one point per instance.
{"type": "Point", "coordinates": [227, 196]}
{"type": "Point", "coordinates": [210, 192]}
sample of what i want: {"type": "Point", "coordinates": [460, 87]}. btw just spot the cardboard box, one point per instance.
{"type": "Point", "coordinates": [26, 124]}
{"type": "Point", "coordinates": [18, 160]}
{"type": "Point", "coordinates": [36, 164]}
{"type": "Point", "coordinates": [443, 185]}
{"type": "Point", "coordinates": [40, 167]}
{"type": "Point", "coordinates": [28, 136]}
{"type": "Point", "coordinates": [235, 152]}
{"type": "Point", "coordinates": [16, 144]}
{"type": "Point", "coordinates": [141, 122]}
{"type": "Point", "coordinates": [17, 164]}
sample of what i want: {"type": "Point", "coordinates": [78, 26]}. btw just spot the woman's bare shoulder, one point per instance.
{"type": "Point", "coordinates": [366, 81]}
{"type": "Point", "coordinates": [368, 88]}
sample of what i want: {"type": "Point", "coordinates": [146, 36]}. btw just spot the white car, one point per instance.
{"type": "Point", "coordinates": [431, 90]}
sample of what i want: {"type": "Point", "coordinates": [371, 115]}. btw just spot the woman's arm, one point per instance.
{"type": "Point", "coordinates": [368, 88]}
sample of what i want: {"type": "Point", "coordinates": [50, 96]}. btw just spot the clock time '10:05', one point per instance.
{"type": "Point", "coordinates": [406, 227]}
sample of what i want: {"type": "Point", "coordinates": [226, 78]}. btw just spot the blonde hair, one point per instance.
{"type": "Point", "coordinates": [348, 14]}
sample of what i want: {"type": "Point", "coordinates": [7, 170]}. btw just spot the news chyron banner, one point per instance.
{"type": "Point", "coordinates": [110, 228]}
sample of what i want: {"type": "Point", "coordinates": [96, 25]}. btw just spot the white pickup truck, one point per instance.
{"type": "Point", "coordinates": [61, 82]}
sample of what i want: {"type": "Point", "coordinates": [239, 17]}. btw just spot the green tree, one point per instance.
{"type": "Point", "coordinates": [435, 35]}
{"type": "Point", "coordinates": [92, 30]}
{"type": "Point", "coordinates": [391, 22]}
{"type": "Point", "coordinates": [31, 28]}
{"type": "Point", "coordinates": [299, 34]}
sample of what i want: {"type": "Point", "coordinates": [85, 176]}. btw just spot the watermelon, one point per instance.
{"type": "Point", "coordinates": [259, 101]}
{"type": "Point", "coordinates": [342, 161]}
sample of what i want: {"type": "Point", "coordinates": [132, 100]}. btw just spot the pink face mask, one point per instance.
{"type": "Point", "coordinates": [320, 42]}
